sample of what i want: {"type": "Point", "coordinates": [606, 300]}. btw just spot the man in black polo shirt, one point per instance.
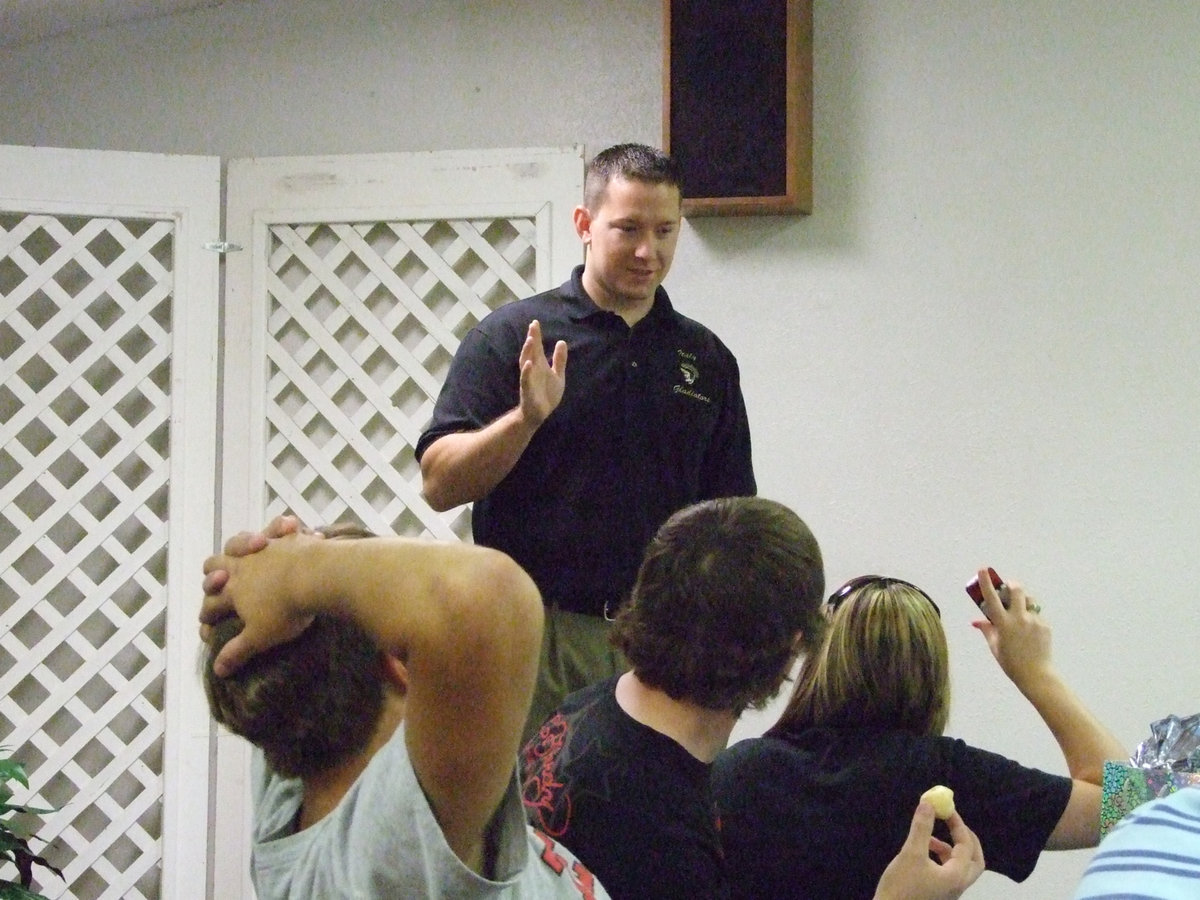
{"type": "Point", "coordinates": [572, 476]}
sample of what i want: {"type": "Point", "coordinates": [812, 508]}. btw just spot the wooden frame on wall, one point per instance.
{"type": "Point", "coordinates": [737, 104]}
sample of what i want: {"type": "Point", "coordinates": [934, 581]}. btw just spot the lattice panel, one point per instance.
{"type": "Point", "coordinates": [364, 321]}
{"type": "Point", "coordinates": [85, 378]}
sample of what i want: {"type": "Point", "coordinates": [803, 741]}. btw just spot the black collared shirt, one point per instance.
{"type": "Point", "coordinates": [652, 419]}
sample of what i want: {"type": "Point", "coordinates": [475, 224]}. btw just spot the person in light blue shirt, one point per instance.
{"type": "Point", "coordinates": [1153, 854]}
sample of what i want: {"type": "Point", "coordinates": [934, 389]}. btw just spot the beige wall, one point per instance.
{"type": "Point", "coordinates": [982, 347]}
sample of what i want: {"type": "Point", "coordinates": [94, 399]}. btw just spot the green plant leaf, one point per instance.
{"type": "Point", "coordinates": [14, 845]}
{"type": "Point", "coordinates": [11, 891]}
{"type": "Point", "coordinates": [11, 770]}
{"type": "Point", "coordinates": [6, 808]}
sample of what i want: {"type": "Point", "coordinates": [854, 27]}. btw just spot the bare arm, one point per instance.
{"type": "Point", "coordinates": [464, 466]}
{"type": "Point", "coordinates": [466, 621]}
{"type": "Point", "coordinates": [1019, 638]}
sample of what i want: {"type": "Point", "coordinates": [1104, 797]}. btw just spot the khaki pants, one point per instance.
{"type": "Point", "coordinates": [575, 653]}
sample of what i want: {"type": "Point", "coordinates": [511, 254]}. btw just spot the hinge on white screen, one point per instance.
{"type": "Point", "coordinates": [222, 247]}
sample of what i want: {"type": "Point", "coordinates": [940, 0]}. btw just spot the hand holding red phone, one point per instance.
{"type": "Point", "coordinates": [1020, 642]}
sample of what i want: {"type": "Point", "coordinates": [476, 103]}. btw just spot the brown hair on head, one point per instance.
{"type": "Point", "coordinates": [634, 162]}
{"type": "Point", "coordinates": [884, 664]}
{"type": "Point", "coordinates": [725, 588]}
{"type": "Point", "coordinates": [308, 704]}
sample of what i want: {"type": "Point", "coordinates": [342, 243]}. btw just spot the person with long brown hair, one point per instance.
{"type": "Point", "coordinates": [820, 803]}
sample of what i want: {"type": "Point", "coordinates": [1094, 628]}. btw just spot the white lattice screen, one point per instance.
{"type": "Point", "coordinates": [357, 278]}
{"type": "Point", "coordinates": [85, 406]}
{"type": "Point", "coordinates": [341, 323]}
{"type": "Point", "coordinates": [364, 321]}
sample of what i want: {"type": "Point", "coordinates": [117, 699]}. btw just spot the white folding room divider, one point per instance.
{"type": "Point", "coordinates": [355, 279]}
{"type": "Point", "coordinates": [108, 339]}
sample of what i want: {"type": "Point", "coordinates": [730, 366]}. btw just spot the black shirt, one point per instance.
{"type": "Point", "coordinates": [630, 802]}
{"type": "Point", "coordinates": [822, 813]}
{"type": "Point", "coordinates": [652, 420]}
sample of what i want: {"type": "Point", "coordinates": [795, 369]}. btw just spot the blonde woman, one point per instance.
{"type": "Point", "coordinates": [819, 805]}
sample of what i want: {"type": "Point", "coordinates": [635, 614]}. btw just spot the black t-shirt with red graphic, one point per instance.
{"type": "Point", "coordinates": [631, 803]}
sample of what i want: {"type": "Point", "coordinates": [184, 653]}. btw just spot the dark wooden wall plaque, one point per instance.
{"type": "Point", "coordinates": [737, 104]}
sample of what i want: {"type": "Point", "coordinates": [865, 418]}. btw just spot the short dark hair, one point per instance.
{"type": "Point", "coordinates": [723, 589]}
{"type": "Point", "coordinates": [637, 162]}
{"type": "Point", "coordinates": [308, 704]}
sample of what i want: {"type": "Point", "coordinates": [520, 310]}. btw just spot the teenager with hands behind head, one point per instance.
{"type": "Point", "coordinates": [384, 682]}
{"type": "Point", "coordinates": [822, 799]}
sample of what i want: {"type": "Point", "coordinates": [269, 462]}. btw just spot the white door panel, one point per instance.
{"type": "Point", "coordinates": [356, 278]}
{"type": "Point", "coordinates": [108, 327]}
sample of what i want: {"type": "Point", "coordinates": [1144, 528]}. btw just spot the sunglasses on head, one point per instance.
{"type": "Point", "coordinates": [855, 584]}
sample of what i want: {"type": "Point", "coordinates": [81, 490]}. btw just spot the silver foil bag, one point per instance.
{"type": "Point", "coordinates": [1174, 744]}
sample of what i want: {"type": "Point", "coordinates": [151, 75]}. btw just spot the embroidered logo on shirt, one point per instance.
{"type": "Point", "coordinates": [690, 373]}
